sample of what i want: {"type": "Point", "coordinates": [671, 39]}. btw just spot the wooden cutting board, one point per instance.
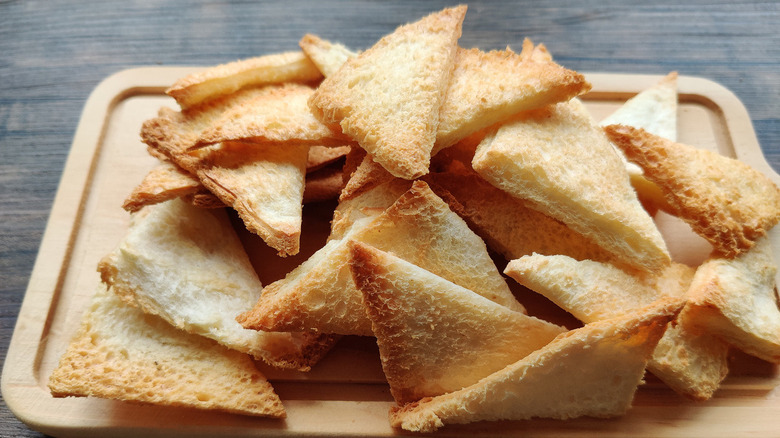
{"type": "Point", "coordinates": [346, 393]}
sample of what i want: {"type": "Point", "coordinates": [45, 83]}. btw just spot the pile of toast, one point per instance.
{"type": "Point", "coordinates": [441, 160]}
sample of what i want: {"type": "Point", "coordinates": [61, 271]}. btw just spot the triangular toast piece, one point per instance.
{"type": "Point", "coordinates": [691, 362]}
{"type": "Point", "coordinates": [543, 385]}
{"type": "Point", "coordinates": [188, 266]}
{"type": "Point", "coordinates": [245, 176]}
{"type": "Point", "coordinates": [654, 110]}
{"type": "Point", "coordinates": [228, 78]}
{"type": "Point", "coordinates": [505, 222]}
{"type": "Point", "coordinates": [418, 227]}
{"type": "Point", "coordinates": [388, 97]}
{"type": "Point", "coordinates": [434, 336]}
{"type": "Point", "coordinates": [736, 299]}
{"type": "Point", "coordinates": [165, 181]}
{"type": "Point", "coordinates": [725, 201]}
{"type": "Point", "coordinates": [264, 183]}
{"type": "Point", "coordinates": [123, 354]}
{"type": "Point", "coordinates": [562, 163]}
{"type": "Point", "coordinates": [274, 113]}
{"type": "Point", "coordinates": [488, 87]}
{"type": "Point", "coordinates": [326, 55]}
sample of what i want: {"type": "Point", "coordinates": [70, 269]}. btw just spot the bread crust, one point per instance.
{"type": "Point", "coordinates": [228, 78]}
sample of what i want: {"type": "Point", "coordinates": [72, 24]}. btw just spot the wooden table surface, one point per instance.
{"type": "Point", "coordinates": [52, 54]}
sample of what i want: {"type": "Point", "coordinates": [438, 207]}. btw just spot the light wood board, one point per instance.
{"type": "Point", "coordinates": [345, 394]}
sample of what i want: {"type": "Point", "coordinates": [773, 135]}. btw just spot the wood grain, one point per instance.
{"type": "Point", "coordinates": [52, 54]}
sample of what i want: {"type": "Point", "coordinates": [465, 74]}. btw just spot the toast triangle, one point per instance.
{"type": "Point", "coordinates": [562, 163]}
{"type": "Point", "coordinates": [541, 385]}
{"type": "Point", "coordinates": [264, 183]}
{"type": "Point", "coordinates": [187, 265]}
{"type": "Point", "coordinates": [326, 55]}
{"type": "Point", "coordinates": [736, 299]}
{"type": "Point", "coordinates": [121, 353]}
{"type": "Point", "coordinates": [654, 110]}
{"type": "Point", "coordinates": [228, 78]}
{"type": "Point", "coordinates": [388, 97]}
{"type": "Point", "coordinates": [724, 200]}
{"type": "Point", "coordinates": [434, 336]}
{"type": "Point", "coordinates": [690, 361]}
{"type": "Point", "coordinates": [489, 87]}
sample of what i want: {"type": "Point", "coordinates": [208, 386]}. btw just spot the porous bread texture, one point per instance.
{"type": "Point", "coordinates": [434, 336]}
{"type": "Point", "coordinates": [725, 201]}
{"type": "Point", "coordinates": [165, 181]}
{"type": "Point", "coordinates": [326, 55]}
{"type": "Point", "coordinates": [264, 183]}
{"type": "Point", "coordinates": [690, 361]}
{"type": "Point", "coordinates": [542, 385]}
{"type": "Point", "coordinates": [227, 78]}
{"type": "Point", "coordinates": [121, 353]}
{"type": "Point", "coordinates": [489, 87]}
{"type": "Point", "coordinates": [419, 227]}
{"type": "Point", "coordinates": [562, 164]}
{"type": "Point", "coordinates": [388, 97]}
{"type": "Point", "coordinates": [505, 222]}
{"type": "Point", "coordinates": [187, 265]}
{"type": "Point", "coordinates": [736, 299]}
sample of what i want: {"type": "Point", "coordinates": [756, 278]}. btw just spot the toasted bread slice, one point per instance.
{"type": "Point", "coordinates": [654, 110]}
{"type": "Point", "coordinates": [418, 227]}
{"type": "Point", "coordinates": [228, 78]}
{"type": "Point", "coordinates": [275, 113]}
{"type": "Point", "coordinates": [506, 223]}
{"type": "Point", "coordinates": [736, 299]}
{"type": "Point", "coordinates": [488, 87]}
{"type": "Point", "coordinates": [691, 362]}
{"type": "Point", "coordinates": [264, 183]}
{"type": "Point", "coordinates": [123, 354]}
{"type": "Point", "coordinates": [434, 336]}
{"type": "Point", "coordinates": [187, 265]}
{"type": "Point", "coordinates": [561, 162]}
{"type": "Point", "coordinates": [724, 200]}
{"type": "Point", "coordinates": [245, 176]}
{"type": "Point", "coordinates": [270, 114]}
{"type": "Point", "coordinates": [165, 181]}
{"type": "Point", "coordinates": [543, 385]}
{"type": "Point", "coordinates": [326, 55]}
{"type": "Point", "coordinates": [388, 97]}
